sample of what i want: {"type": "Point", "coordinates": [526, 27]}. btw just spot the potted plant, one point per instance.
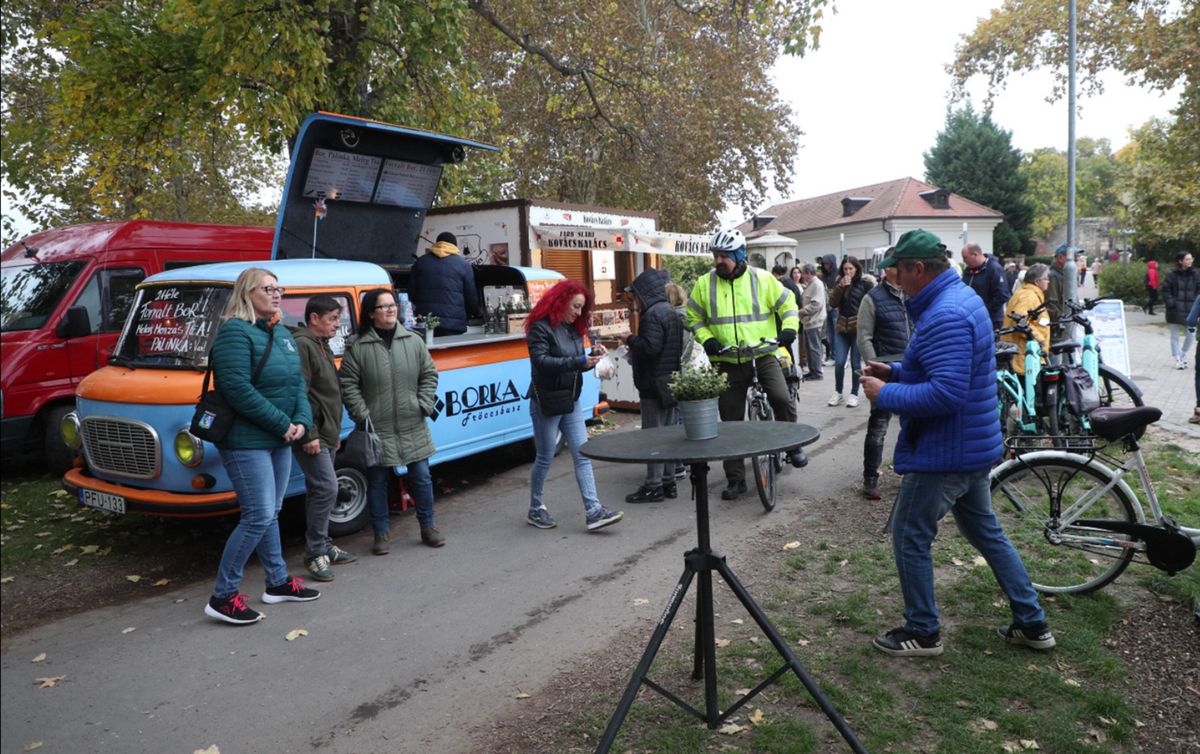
{"type": "Point", "coordinates": [431, 323]}
{"type": "Point", "coordinates": [697, 391]}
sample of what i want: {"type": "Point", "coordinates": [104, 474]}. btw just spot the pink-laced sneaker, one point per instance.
{"type": "Point", "coordinates": [232, 610]}
{"type": "Point", "coordinates": [292, 590]}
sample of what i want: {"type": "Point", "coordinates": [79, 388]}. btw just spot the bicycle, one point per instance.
{"type": "Point", "coordinates": [768, 465]}
{"type": "Point", "coordinates": [1075, 520]}
{"type": "Point", "coordinates": [1115, 388]}
{"type": "Point", "coordinates": [1030, 403]}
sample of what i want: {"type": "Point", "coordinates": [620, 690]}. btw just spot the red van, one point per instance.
{"type": "Point", "coordinates": [64, 294]}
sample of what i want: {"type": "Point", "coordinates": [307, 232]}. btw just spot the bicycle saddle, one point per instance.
{"type": "Point", "coordinates": [1115, 423]}
{"type": "Point", "coordinates": [1065, 346]}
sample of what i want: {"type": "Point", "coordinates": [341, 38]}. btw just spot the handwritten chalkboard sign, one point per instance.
{"type": "Point", "coordinates": [411, 185]}
{"type": "Point", "coordinates": [343, 176]}
{"type": "Point", "coordinates": [176, 322]}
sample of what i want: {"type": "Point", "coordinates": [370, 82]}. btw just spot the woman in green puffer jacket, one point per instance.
{"type": "Point", "coordinates": [389, 377]}
{"type": "Point", "coordinates": [271, 412]}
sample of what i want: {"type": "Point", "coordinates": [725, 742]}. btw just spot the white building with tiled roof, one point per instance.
{"type": "Point", "coordinates": [860, 220]}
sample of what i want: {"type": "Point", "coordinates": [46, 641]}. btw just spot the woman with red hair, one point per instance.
{"type": "Point", "coordinates": [555, 330]}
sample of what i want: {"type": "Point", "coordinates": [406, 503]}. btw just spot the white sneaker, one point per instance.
{"type": "Point", "coordinates": [836, 399]}
{"type": "Point", "coordinates": [851, 400]}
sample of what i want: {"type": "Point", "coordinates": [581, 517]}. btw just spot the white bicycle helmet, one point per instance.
{"type": "Point", "coordinates": [727, 241]}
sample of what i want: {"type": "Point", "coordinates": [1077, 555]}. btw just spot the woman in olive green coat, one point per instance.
{"type": "Point", "coordinates": [388, 376]}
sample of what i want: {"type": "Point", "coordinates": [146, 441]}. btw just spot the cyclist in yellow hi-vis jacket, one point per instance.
{"type": "Point", "coordinates": [736, 305]}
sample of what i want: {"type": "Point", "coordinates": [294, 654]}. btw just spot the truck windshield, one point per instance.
{"type": "Point", "coordinates": [172, 326]}
{"type": "Point", "coordinates": [30, 293]}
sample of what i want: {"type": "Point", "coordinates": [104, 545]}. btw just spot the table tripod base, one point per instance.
{"type": "Point", "coordinates": [701, 564]}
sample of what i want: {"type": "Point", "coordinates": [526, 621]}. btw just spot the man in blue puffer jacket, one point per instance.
{"type": "Point", "coordinates": [945, 393]}
{"type": "Point", "coordinates": [442, 283]}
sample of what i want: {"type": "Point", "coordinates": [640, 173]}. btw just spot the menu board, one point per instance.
{"type": "Point", "coordinates": [341, 175]}
{"type": "Point", "coordinates": [175, 322]}
{"type": "Point", "coordinates": [408, 184]}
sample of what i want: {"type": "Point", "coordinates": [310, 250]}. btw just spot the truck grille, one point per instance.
{"type": "Point", "coordinates": [121, 447]}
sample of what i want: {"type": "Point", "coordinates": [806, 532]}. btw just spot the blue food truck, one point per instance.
{"type": "Point", "coordinates": [376, 182]}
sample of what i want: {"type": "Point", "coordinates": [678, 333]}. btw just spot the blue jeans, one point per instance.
{"type": "Point", "coordinates": [419, 484]}
{"type": "Point", "coordinates": [1180, 351]}
{"type": "Point", "coordinates": [545, 437]}
{"type": "Point", "coordinates": [845, 344]}
{"type": "Point", "coordinates": [259, 479]}
{"type": "Point", "coordinates": [924, 499]}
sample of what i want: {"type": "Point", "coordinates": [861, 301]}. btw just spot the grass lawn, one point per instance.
{"type": "Point", "coordinates": [835, 591]}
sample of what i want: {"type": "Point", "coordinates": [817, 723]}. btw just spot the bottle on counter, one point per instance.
{"type": "Point", "coordinates": [406, 312]}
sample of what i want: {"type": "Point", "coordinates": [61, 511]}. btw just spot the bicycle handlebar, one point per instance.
{"type": "Point", "coordinates": [749, 347]}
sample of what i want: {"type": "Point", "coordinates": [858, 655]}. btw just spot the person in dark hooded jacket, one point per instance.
{"type": "Point", "coordinates": [655, 353]}
{"type": "Point", "coordinates": [829, 276]}
{"type": "Point", "coordinates": [442, 283]}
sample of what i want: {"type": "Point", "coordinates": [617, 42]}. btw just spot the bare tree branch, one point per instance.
{"type": "Point", "coordinates": [586, 75]}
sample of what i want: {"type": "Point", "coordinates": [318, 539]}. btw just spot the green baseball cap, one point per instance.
{"type": "Point", "coordinates": [915, 244]}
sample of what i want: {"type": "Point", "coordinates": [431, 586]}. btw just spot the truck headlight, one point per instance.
{"type": "Point", "coordinates": [68, 428]}
{"type": "Point", "coordinates": [189, 449]}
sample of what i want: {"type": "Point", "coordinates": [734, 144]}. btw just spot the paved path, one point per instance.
{"type": "Point", "coordinates": [1173, 390]}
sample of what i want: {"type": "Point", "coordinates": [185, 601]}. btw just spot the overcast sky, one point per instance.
{"type": "Point", "coordinates": [872, 99]}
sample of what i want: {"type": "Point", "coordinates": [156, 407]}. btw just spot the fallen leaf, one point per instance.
{"type": "Point", "coordinates": [296, 633]}
{"type": "Point", "coordinates": [1107, 720]}
{"type": "Point", "coordinates": [731, 729]}
{"type": "Point", "coordinates": [737, 621]}
{"type": "Point", "coordinates": [210, 750]}
{"type": "Point", "coordinates": [722, 642]}
{"type": "Point", "coordinates": [43, 534]}
{"type": "Point", "coordinates": [522, 695]}
{"type": "Point", "coordinates": [48, 682]}
{"type": "Point", "coordinates": [979, 561]}
{"type": "Point", "coordinates": [32, 746]}
{"type": "Point", "coordinates": [1010, 746]}
{"type": "Point", "coordinates": [641, 601]}
{"type": "Point", "coordinates": [63, 549]}
{"type": "Point", "coordinates": [843, 563]}
{"type": "Point", "coordinates": [59, 493]}
{"type": "Point", "coordinates": [162, 582]}
{"type": "Point", "coordinates": [1030, 744]}
{"type": "Point", "coordinates": [134, 579]}
{"type": "Point", "coordinates": [803, 642]}
{"type": "Point", "coordinates": [758, 718]}
{"type": "Point", "coordinates": [89, 549]}
{"type": "Point", "coordinates": [42, 657]}
{"type": "Point", "coordinates": [71, 562]}
{"type": "Point", "coordinates": [791, 545]}
{"type": "Point", "coordinates": [1098, 735]}
{"type": "Point", "coordinates": [741, 692]}
{"type": "Point", "coordinates": [7, 579]}
{"type": "Point", "coordinates": [990, 725]}
{"type": "Point", "coordinates": [181, 599]}
{"type": "Point", "coordinates": [129, 630]}
{"type": "Point", "coordinates": [1071, 682]}
{"type": "Point", "coordinates": [956, 561]}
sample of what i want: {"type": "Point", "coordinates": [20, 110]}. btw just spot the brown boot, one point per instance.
{"type": "Point", "coordinates": [1195, 416]}
{"type": "Point", "coordinates": [432, 537]}
{"type": "Point", "coordinates": [381, 546]}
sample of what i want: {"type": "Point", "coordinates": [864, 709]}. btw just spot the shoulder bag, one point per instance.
{"type": "Point", "coordinates": [362, 447]}
{"type": "Point", "coordinates": [214, 416]}
{"type": "Point", "coordinates": [557, 402]}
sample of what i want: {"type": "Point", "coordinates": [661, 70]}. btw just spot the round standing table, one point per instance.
{"type": "Point", "coordinates": [670, 445]}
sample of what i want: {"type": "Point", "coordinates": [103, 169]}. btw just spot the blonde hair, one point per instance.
{"type": "Point", "coordinates": [239, 306]}
{"type": "Point", "coordinates": [675, 295]}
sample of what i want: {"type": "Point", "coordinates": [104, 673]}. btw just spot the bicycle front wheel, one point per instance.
{"type": "Point", "coordinates": [1030, 498]}
{"type": "Point", "coordinates": [1117, 390]}
{"type": "Point", "coordinates": [764, 466]}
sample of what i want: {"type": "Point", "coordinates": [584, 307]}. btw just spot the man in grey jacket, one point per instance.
{"type": "Point", "coordinates": [883, 333]}
{"type": "Point", "coordinates": [314, 452]}
{"type": "Point", "coordinates": [812, 319]}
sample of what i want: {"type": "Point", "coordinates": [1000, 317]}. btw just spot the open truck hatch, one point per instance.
{"type": "Point", "coordinates": [376, 182]}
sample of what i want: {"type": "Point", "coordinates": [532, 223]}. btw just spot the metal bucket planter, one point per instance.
{"type": "Point", "coordinates": [700, 418]}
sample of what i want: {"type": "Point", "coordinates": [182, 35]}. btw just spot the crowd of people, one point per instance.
{"type": "Point", "coordinates": [919, 340]}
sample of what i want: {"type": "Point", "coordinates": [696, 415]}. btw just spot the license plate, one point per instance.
{"type": "Point", "coordinates": [102, 500]}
